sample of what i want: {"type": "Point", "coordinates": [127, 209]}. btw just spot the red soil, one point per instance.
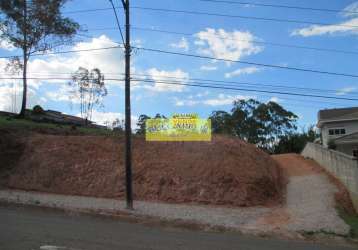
{"type": "Point", "coordinates": [225, 171]}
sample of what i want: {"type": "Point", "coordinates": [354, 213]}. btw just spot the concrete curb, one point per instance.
{"type": "Point", "coordinates": [62, 201]}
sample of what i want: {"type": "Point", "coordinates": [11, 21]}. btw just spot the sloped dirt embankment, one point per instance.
{"type": "Point", "coordinates": [225, 171]}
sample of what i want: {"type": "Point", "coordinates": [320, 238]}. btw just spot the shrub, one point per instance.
{"type": "Point", "coordinates": [37, 109]}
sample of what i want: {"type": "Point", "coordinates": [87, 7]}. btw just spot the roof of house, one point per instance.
{"type": "Point", "coordinates": [328, 115]}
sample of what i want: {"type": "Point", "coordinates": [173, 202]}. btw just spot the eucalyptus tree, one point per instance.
{"type": "Point", "coordinates": [89, 89]}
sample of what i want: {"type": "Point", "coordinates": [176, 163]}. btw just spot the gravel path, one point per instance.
{"type": "Point", "coordinates": [309, 207]}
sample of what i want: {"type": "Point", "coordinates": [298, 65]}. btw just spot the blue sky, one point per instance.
{"type": "Point", "coordinates": [223, 37]}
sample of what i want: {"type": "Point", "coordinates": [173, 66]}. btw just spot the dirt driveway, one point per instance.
{"type": "Point", "coordinates": [310, 199]}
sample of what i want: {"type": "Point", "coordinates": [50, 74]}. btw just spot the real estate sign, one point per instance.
{"type": "Point", "coordinates": [178, 128]}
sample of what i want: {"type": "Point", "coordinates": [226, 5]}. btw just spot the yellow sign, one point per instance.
{"type": "Point", "coordinates": [178, 128]}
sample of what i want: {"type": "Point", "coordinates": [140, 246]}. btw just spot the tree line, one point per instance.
{"type": "Point", "coordinates": [267, 125]}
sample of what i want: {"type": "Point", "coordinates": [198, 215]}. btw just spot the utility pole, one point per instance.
{"type": "Point", "coordinates": [127, 93]}
{"type": "Point", "coordinates": [128, 132]}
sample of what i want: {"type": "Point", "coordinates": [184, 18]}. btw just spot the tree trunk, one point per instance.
{"type": "Point", "coordinates": [24, 92]}
{"type": "Point", "coordinates": [24, 72]}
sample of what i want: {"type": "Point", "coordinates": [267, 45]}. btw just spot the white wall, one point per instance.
{"type": "Point", "coordinates": [342, 166]}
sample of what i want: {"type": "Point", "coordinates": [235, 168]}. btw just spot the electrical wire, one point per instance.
{"type": "Point", "coordinates": [117, 21]}
{"type": "Point", "coordinates": [216, 15]}
{"type": "Point", "coordinates": [280, 6]}
{"type": "Point", "coordinates": [229, 39]}
{"type": "Point", "coordinates": [225, 83]}
{"type": "Point", "coordinates": [197, 84]}
{"type": "Point", "coordinates": [248, 63]}
{"type": "Point", "coordinates": [271, 19]}
{"type": "Point", "coordinates": [206, 85]}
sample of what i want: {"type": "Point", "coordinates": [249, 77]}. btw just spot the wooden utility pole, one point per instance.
{"type": "Point", "coordinates": [128, 130]}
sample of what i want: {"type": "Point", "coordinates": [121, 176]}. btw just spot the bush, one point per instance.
{"type": "Point", "coordinates": [37, 110]}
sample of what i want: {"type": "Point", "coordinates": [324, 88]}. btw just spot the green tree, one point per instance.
{"type": "Point", "coordinates": [221, 122]}
{"type": "Point", "coordinates": [34, 26]}
{"type": "Point", "coordinates": [274, 121]}
{"type": "Point", "coordinates": [141, 124]}
{"type": "Point", "coordinates": [258, 123]}
{"type": "Point", "coordinates": [296, 141]}
{"type": "Point", "coordinates": [244, 123]}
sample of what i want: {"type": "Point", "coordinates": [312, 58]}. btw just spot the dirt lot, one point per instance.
{"type": "Point", "coordinates": [225, 171]}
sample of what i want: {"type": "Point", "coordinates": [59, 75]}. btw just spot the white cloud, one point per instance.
{"type": "Point", "coordinates": [223, 99]}
{"type": "Point", "coordinates": [6, 46]}
{"type": "Point", "coordinates": [63, 94]}
{"type": "Point", "coordinates": [351, 10]}
{"type": "Point", "coordinates": [275, 99]}
{"type": "Point", "coordinates": [345, 27]}
{"type": "Point", "coordinates": [110, 62]}
{"type": "Point", "coordinates": [220, 100]}
{"type": "Point", "coordinates": [208, 68]}
{"type": "Point", "coordinates": [174, 76]}
{"type": "Point", "coordinates": [11, 97]}
{"type": "Point", "coordinates": [8, 98]}
{"type": "Point", "coordinates": [226, 45]}
{"type": "Point", "coordinates": [346, 90]}
{"type": "Point", "coordinates": [242, 71]}
{"type": "Point", "coordinates": [202, 94]}
{"type": "Point", "coordinates": [316, 30]}
{"type": "Point", "coordinates": [182, 44]}
{"type": "Point", "coordinates": [181, 103]}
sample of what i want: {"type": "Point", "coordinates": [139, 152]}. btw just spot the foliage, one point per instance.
{"type": "Point", "coordinates": [295, 142]}
{"type": "Point", "coordinates": [255, 122]}
{"type": "Point", "coordinates": [34, 26]}
{"type": "Point", "coordinates": [351, 220]}
{"type": "Point", "coordinates": [141, 122]}
{"type": "Point", "coordinates": [118, 125]}
{"type": "Point", "coordinates": [221, 123]}
{"type": "Point", "coordinates": [88, 87]}
{"type": "Point", "coordinates": [25, 125]}
{"type": "Point", "coordinates": [37, 109]}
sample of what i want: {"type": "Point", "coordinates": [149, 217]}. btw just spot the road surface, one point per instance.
{"type": "Point", "coordinates": [29, 228]}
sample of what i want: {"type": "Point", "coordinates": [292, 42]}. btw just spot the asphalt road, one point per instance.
{"type": "Point", "coordinates": [28, 228]}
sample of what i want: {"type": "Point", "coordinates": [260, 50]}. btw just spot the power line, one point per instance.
{"type": "Point", "coordinates": [280, 6]}
{"type": "Point", "coordinates": [235, 83]}
{"type": "Point", "coordinates": [232, 83]}
{"type": "Point", "coordinates": [227, 83]}
{"type": "Point", "coordinates": [69, 51]}
{"type": "Point", "coordinates": [117, 20]}
{"type": "Point", "coordinates": [243, 40]}
{"type": "Point", "coordinates": [247, 62]}
{"type": "Point", "coordinates": [217, 15]}
{"type": "Point", "coordinates": [206, 85]}
{"type": "Point", "coordinates": [197, 84]}
{"type": "Point", "coordinates": [241, 17]}
{"type": "Point", "coordinates": [226, 38]}
{"type": "Point", "coordinates": [197, 56]}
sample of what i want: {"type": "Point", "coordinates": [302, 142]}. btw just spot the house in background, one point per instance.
{"type": "Point", "coordinates": [339, 127]}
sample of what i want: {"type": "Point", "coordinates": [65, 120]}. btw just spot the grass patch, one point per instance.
{"type": "Point", "coordinates": [51, 128]}
{"type": "Point", "coordinates": [351, 220]}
